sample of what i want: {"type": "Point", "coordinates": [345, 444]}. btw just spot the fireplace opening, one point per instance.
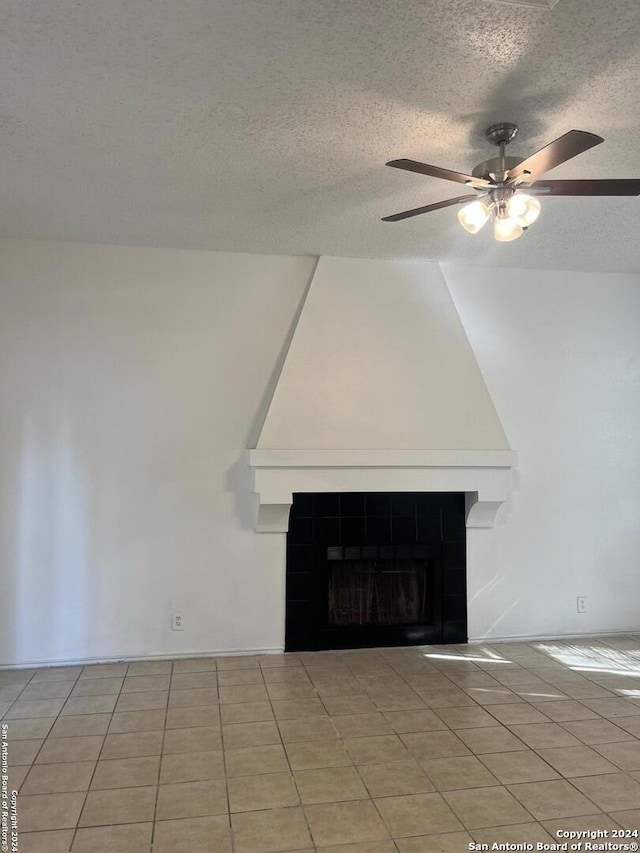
{"type": "Point", "coordinates": [368, 569]}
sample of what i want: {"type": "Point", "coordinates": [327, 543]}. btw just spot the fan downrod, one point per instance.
{"type": "Point", "coordinates": [503, 133]}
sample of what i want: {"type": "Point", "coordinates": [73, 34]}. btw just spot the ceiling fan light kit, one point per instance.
{"type": "Point", "coordinates": [508, 185]}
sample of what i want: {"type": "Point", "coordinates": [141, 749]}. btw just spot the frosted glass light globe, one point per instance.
{"type": "Point", "coordinates": [507, 229]}
{"type": "Point", "coordinates": [473, 216]}
{"type": "Point", "coordinates": [523, 209]}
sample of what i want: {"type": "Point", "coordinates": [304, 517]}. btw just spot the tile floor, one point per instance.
{"type": "Point", "coordinates": [369, 751]}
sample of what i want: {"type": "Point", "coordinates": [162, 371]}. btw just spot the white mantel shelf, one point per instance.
{"type": "Point", "coordinates": [483, 475]}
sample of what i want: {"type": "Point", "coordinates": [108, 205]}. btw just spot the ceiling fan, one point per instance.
{"type": "Point", "coordinates": [508, 186]}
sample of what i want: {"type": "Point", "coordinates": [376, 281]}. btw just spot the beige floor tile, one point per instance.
{"type": "Point", "coordinates": [23, 710]}
{"type": "Point", "coordinates": [49, 811]}
{"type": "Point", "coordinates": [122, 805]}
{"type": "Point", "coordinates": [254, 760]}
{"type": "Point", "coordinates": [630, 725]}
{"type": "Point", "coordinates": [308, 728]}
{"type": "Point", "coordinates": [146, 683]}
{"type": "Point", "coordinates": [46, 690]}
{"type": "Point", "coordinates": [453, 698]}
{"type": "Point", "coordinates": [97, 687]}
{"type": "Point", "coordinates": [613, 792]}
{"type": "Point", "coordinates": [420, 720]}
{"type": "Point", "coordinates": [466, 718]}
{"type": "Point", "coordinates": [612, 708]}
{"type": "Point", "coordinates": [62, 749]}
{"type": "Point", "coordinates": [519, 833]}
{"type": "Point", "coordinates": [585, 690]}
{"type": "Point", "coordinates": [17, 774]}
{"type": "Point", "coordinates": [89, 705]}
{"type": "Point", "coordinates": [566, 709]}
{"type": "Point", "coordinates": [276, 675]}
{"type": "Point", "coordinates": [270, 831]}
{"type": "Point", "coordinates": [486, 740]}
{"type": "Point", "coordinates": [438, 744]}
{"type": "Point", "coordinates": [193, 835]}
{"type": "Point", "coordinates": [137, 721]}
{"type": "Point", "coordinates": [132, 745]}
{"type": "Point", "coordinates": [57, 673]}
{"type": "Point", "coordinates": [362, 725]}
{"type": "Point", "coordinates": [191, 767]}
{"type": "Point", "coordinates": [493, 695]}
{"type": "Point", "coordinates": [194, 665]}
{"type": "Point", "coordinates": [54, 841]}
{"type": "Point", "coordinates": [236, 677]}
{"type": "Point", "coordinates": [478, 808]}
{"type": "Point", "coordinates": [126, 772]}
{"type": "Point", "coordinates": [250, 734]}
{"type": "Point", "coordinates": [193, 698]}
{"type": "Point", "coordinates": [345, 823]}
{"type": "Point", "coordinates": [134, 838]}
{"type": "Point", "coordinates": [628, 819]}
{"type": "Point", "coordinates": [598, 731]}
{"type": "Point", "coordinates": [292, 709]}
{"type": "Point", "coordinates": [143, 701]}
{"type": "Point", "coordinates": [278, 659]}
{"type": "Point", "coordinates": [595, 821]}
{"type": "Point", "coordinates": [30, 729]}
{"type": "Point", "coordinates": [280, 692]}
{"type": "Point", "coordinates": [524, 766]}
{"type": "Point", "coordinates": [544, 735]}
{"type": "Point", "coordinates": [199, 739]}
{"type": "Point", "coordinates": [194, 681]}
{"type": "Point", "coordinates": [450, 774]}
{"type": "Point", "coordinates": [577, 761]}
{"type": "Point", "coordinates": [81, 725]}
{"type": "Point", "coordinates": [243, 693]}
{"type": "Point", "coordinates": [266, 791]}
{"type": "Point", "coordinates": [237, 662]}
{"type": "Point", "coordinates": [397, 700]}
{"type": "Point", "coordinates": [376, 749]}
{"type": "Point", "coordinates": [366, 847]}
{"type": "Point", "coordinates": [150, 667]}
{"type": "Point", "coordinates": [255, 712]}
{"type": "Point", "coordinates": [395, 778]}
{"type": "Point", "coordinates": [58, 778]}
{"type": "Point", "coordinates": [517, 713]}
{"type": "Point", "coordinates": [625, 755]}
{"type": "Point", "coordinates": [309, 755]}
{"type": "Point", "coordinates": [347, 705]}
{"type": "Point", "coordinates": [547, 800]}
{"type": "Point", "coordinates": [104, 670]}
{"type": "Point", "coordinates": [191, 799]}
{"type": "Point", "coordinates": [24, 751]}
{"type": "Point", "coordinates": [447, 842]}
{"type": "Point", "coordinates": [417, 814]}
{"type": "Point", "coordinates": [188, 718]}
{"type": "Point", "coordinates": [329, 785]}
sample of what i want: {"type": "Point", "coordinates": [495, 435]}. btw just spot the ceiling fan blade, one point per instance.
{"type": "Point", "coordinates": [559, 151]}
{"type": "Point", "coordinates": [406, 214]}
{"type": "Point", "coordinates": [615, 186]}
{"type": "Point", "coordinates": [437, 172]}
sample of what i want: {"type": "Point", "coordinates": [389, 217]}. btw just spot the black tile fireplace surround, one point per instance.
{"type": "Point", "coordinates": [375, 569]}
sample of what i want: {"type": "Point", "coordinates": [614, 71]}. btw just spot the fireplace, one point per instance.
{"type": "Point", "coordinates": [375, 569]}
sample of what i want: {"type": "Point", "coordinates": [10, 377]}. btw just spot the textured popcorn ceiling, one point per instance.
{"type": "Point", "coordinates": [264, 125]}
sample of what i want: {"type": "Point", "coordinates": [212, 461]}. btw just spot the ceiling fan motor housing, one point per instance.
{"type": "Point", "coordinates": [495, 165]}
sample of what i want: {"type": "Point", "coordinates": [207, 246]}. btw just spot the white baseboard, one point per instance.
{"type": "Point", "coordinates": [533, 638]}
{"type": "Point", "coordinates": [133, 658]}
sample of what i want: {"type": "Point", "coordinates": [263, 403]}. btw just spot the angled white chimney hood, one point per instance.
{"type": "Point", "coordinates": [380, 391]}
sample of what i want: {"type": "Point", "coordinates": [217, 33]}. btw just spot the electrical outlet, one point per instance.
{"type": "Point", "coordinates": [582, 603]}
{"type": "Point", "coordinates": [177, 621]}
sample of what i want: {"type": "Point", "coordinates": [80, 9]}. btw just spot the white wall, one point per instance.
{"type": "Point", "coordinates": [129, 383]}
{"type": "Point", "coordinates": [132, 379]}
{"type": "Point", "coordinates": [560, 353]}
